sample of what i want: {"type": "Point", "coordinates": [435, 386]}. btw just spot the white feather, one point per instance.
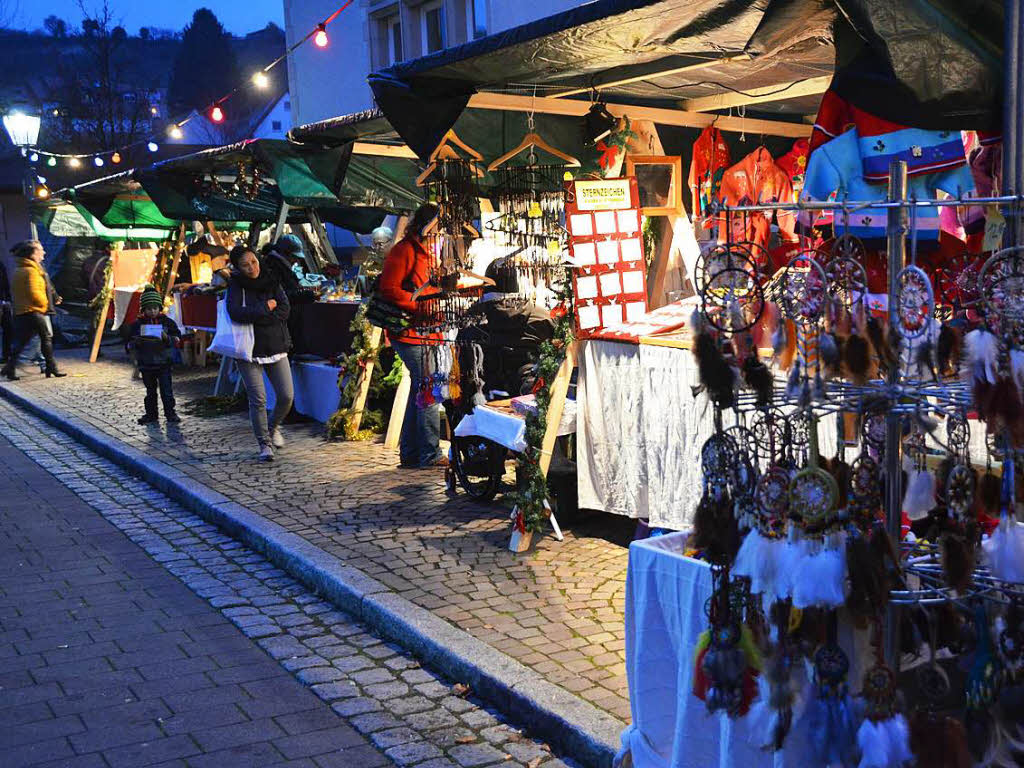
{"type": "Point", "coordinates": [919, 499]}
{"type": "Point", "coordinates": [1004, 551]}
{"type": "Point", "coordinates": [791, 555]}
{"type": "Point", "coordinates": [982, 352]}
{"type": "Point", "coordinates": [1017, 367]}
{"type": "Point", "coordinates": [821, 577]}
{"type": "Point", "coordinates": [874, 745]}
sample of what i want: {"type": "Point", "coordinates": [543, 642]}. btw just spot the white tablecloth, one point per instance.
{"type": "Point", "coordinates": [671, 728]}
{"type": "Point", "coordinates": [508, 429]}
{"type": "Point", "coordinates": [316, 390]}
{"type": "Point", "coordinates": [640, 431]}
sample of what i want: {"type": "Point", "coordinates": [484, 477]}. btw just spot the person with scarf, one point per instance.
{"type": "Point", "coordinates": [29, 286]}
{"type": "Point", "coordinates": [255, 297]}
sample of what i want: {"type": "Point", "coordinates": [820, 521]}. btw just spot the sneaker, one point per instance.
{"type": "Point", "coordinates": [277, 438]}
{"type": "Point", "coordinates": [147, 419]}
{"type": "Point", "coordinates": [266, 453]}
{"type": "Point", "coordinates": [173, 418]}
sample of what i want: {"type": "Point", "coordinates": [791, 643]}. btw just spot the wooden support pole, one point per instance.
{"type": "Point", "coordinates": [321, 232]}
{"type": "Point", "coordinates": [102, 322]}
{"type": "Point", "coordinates": [559, 391]}
{"type": "Point", "coordinates": [398, 409]}
{"type": "Point", "coordinates": [282, 219]}
{"type": "Point", "coordinates": [364, 381]}
{"type": "Point", "coordinates": [179, 248]}
{"type": "Point", "coordinates": [575, 108]}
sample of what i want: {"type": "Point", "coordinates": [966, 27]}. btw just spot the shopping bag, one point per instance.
{"type": "Point", "coordinates": [232, 339]}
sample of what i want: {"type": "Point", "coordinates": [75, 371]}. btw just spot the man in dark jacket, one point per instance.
{"type": "Point", "coordinates": [510, 331]}
{"type": "Point", "coordinates": [151, 336]}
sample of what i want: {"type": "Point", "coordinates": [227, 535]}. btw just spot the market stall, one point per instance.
{"type": "Point", "coordinates": [863, 257]}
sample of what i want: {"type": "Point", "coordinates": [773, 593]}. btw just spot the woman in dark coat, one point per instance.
{"type": "Point", "coordinates": [256, 297]}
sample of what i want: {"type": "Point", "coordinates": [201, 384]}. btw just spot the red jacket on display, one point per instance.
{"type": "Point", "coordinates": [710, 159]}
{"type": "Point", "coordinates": [757, 179]}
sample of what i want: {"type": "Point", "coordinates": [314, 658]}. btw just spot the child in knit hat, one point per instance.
{"type": "Point", "coordinates": [151, 336]}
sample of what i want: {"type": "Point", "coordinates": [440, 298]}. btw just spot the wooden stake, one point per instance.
{"type": "Point", "coordinates": [364, 382]}
{"type": "Point", "coordinates": [559, 390]}
{"type": "Point", "coordinates": [109, 287]}
{"type": "Point", "coordinates": [179, 248]}
{"type": "Point", "coordinates": [398, 409]}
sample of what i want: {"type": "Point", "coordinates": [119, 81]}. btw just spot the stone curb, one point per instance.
{"type": "Point", "coordinates": [565, 721]}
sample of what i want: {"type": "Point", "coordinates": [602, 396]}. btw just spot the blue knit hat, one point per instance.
{"type": "Point", "coordinates": [288, 245]}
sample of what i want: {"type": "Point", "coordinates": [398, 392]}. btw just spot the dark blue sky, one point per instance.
{"type": "Point", "coordinates": [238, 16]}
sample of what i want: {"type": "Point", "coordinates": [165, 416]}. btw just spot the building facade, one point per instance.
{"type": "Point", "coordinates": [372, 34]}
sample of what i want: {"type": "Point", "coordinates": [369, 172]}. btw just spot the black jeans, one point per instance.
{"type": "Point", "coordinates": [7, 330]}
{"type": "Point", "coordinates": [26, 326]}
{"type": "Point", "coordinates": [155, 378]}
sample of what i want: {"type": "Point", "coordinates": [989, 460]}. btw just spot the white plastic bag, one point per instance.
{"type": "Point", "coordinates": [232, 339]}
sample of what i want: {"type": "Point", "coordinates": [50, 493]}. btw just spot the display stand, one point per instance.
{"type": "Point", "coordinates": [108, 289]}
{"type": "Point", "coordinates": [363, 390]}
{"type": "Point", "coordinates": [394, 432]}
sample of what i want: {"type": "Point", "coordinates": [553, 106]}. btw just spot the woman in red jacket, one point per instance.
{"type": "Point", "coordinates": [406, 268]}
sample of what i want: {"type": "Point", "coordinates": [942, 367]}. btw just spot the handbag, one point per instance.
{"type": "Point", "coordinates": [386, 315]}
{"type": "Point", "coordinates": [232, 339]}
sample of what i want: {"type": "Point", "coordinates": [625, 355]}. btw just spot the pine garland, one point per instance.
{"type": "Point", "coordinates": [531, 514]}
{"type": "Point", "coordinates": [341, 424]}
{"type": "Point", "coordinates": [99, 302]}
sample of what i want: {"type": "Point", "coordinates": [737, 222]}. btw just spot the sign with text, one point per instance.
{"type": "Point", "coordinates": [607, 250]}
{"type": "Point", "coordinates": [605, 195]}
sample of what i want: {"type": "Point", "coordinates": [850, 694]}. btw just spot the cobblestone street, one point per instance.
{"type": "Point", "coordinates": [133, 633]}
{"type": "Point", "coordinates": [558, 609]}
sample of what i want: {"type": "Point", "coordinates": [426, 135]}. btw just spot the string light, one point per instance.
{"type": "Point", "coordinates": [42, 191]}
{"type": "Point", "coordinates": [34, 157]}
{"type": "Point", "coordinates": [216, 114]}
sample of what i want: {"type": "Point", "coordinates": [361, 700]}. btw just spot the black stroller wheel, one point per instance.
{"type": "Point", "coordinates": [479, 465]}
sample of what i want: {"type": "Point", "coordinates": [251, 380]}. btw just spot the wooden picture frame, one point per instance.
{"type": "Point", "coordinates": [659, 179]}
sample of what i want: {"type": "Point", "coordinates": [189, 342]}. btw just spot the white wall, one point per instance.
{"type": "Point", "coordinates": [330, 82]}
{"type": "Point", "coordinates": [281, 114]}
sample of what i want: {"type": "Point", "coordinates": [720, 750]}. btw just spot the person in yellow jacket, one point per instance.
{"type": "Point", "coordinates": [31, 303]}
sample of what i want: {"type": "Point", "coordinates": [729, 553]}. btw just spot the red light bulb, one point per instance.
{"type": "Point", "coordinates": [217, 115]}
{"type": "Point", "coordinates": [320, 38]}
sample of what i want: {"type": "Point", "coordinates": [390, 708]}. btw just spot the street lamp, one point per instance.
{"type": "Point", "coordinates": [23, 129]}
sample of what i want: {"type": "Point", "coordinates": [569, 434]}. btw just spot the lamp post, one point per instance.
{"type": "Point", "coordinates": [23, 130]}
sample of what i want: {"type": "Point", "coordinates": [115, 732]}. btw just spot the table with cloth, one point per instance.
{"type": "Point", "coordinates": [497, 421]}
{"type": "Point", "coordinates": [666, 594]}
{"type": "Point", "coordinates": [316, 389]}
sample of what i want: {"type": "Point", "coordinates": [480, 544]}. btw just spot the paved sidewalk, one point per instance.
{"type": "Point", "coordinates": [558, 609]}
{"type": "Point", "coordinates": [117, 645]}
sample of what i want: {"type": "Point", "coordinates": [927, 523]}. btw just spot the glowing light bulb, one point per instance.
{"type": "Point", "coordinates": [98, 161]}
{"type": "Point", "coordinates": [74, 162]}
{"type": "Point", "coordinates": [175, 132]}
{"type": "Point", "coordinates": [52, 162]}
{"type": "Point", "coordinates": [42, 192]}
{"type": "Point", "coordinates": [320, 38]}
{"type": "Point", "coordinates": [260, 80]}
{"type": "Point", "coordinates": [152, 147]}
{"type": "Point", "coordinates": [115, 158]}
{"type": "Point", "coordinates": [217, 115]}
{"type": "Point", "coordinates": [34, 157]}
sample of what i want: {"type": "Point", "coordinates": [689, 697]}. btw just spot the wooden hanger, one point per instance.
{"type": "Point", "coordinates": [452, 137]}
{"type": "Point", "coordinates": [444, 153]}
{"type": "Point", "coordinates": [533, 141]}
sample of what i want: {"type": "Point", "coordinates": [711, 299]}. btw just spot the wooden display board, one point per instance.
{"type": "Point", "coordinates": [607, 249]}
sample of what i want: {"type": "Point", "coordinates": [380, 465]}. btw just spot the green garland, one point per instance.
{"type": "Point", "coordinates": [529, 501]}
{"type": "Point", "coordinates": [341, 424]}
{"type": "Point", "coordinates": [99, 302]}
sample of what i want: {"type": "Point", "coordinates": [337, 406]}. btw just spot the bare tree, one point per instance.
{"type": "Point", "coordinates": [104, 103]}
{"type": "Point", "coordinates": [8, 11]}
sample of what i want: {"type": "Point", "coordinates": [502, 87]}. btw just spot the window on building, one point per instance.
{"type": "Point", "coordinates": [287, 106]}
{"type": "Point", "coordinates": [392, 28]}
{"type": "Point", "coordinates": [476, 19]}
{"type": "Point", "coordinates": [275, 125]}
{"type": "Point", "coordinates": [432, 26]}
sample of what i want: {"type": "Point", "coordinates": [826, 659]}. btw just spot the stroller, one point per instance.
{"type": "Point", "coordinates": [510, 351]}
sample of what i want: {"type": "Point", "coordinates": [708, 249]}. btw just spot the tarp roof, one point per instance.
{"type": "Point", "coordinates": [932, 54]}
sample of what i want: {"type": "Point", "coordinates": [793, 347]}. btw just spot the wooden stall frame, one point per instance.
{"type": "Point", "coordinates": [397, 418]}
{"type": "Point", "coordinates": [102, 317]}
{"type": "Point", "coordinates": [363, 391]}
